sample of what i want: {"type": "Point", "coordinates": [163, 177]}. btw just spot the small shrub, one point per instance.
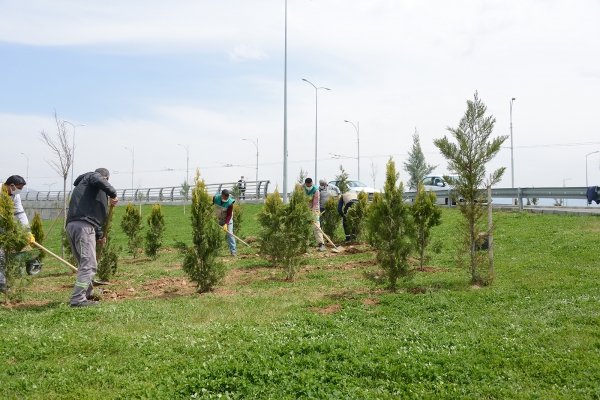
{"type": "Point", "coordinates": [156, 227]}
{"type": "Point", "coordinates": [331, 218]}
{"type": "Point", "coordinates": [131, 224]}
{"type": "Point", "coordinates": [342, 180]}
{"type": "Point", "coordinates": [238, 218]}
{"type": "Point", "coordinates": [38, 232]}
{"type": "Point", "coordinates": [426, 214]}
{"type": "Point", "coordinates": [109, 256]}
{"type": "Point", "coordinates": [13, 238]}
{"type": "Point", "coordinates": [286, 230]}
{"type": "Point", "coordinates": [391, 228]}
{"type": "Point", "coordinates": [200, 261]}
{"type": "Point", "coordinates": [355, 216]}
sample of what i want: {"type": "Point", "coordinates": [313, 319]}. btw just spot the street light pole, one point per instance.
{"type": "Point", "coordinates": [586, 162]}
{"type": "Point", "coordinates": [285, 112]}
{"type": "Point", "coordinates": [49, 185]}
{"type": "Point", "coordinates": [256, 144]}
{"type": "Point", "coordinates": [73, 150]}
{"type": "Point", "coordinates": [357, 142]}
{"type": "Point", "coordinates": [187, 167]}
{"type": "Point", "coordinates": [27, 156]}
{"type": "Point", "coordinates": [316, 121]}
{"type": "Point", "coordinates": [512, 162]}
{"type": "Point", "coordinates": [132, 150]}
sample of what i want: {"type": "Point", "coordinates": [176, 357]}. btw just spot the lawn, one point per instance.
{"type": "Point", "coordinates": [334, 332]}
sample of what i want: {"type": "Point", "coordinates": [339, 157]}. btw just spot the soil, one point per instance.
{"type": "Point", "coordinates": [330, 309]}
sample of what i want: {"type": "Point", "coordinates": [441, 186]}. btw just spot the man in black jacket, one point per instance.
{"type": "Point", "coordinates": [87, 211]}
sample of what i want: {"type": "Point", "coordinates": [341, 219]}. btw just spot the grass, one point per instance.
{"type": "Point", "coordinates": [335, 332]}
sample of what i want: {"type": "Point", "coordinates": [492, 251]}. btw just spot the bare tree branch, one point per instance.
{"type": "Point", "coordinates": [60, 147]}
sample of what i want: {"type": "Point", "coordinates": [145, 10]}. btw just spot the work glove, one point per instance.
{"type": "Point", "coordinates": [225, 228]}
{"type": "Point", "coordinates": [31, 238]}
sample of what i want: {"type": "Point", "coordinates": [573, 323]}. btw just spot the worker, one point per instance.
{"type": "Point", "coordinates": [326, 191]}
{"type": "Point", "coordinates": [87, 212]}
{"type": "Point", "coordinates": [223, 203]}
{"type": "Point", "coordinates": [241, 184]}
{"type": "Point", "coordinates": [313, 203]}
{"type": "Point", "coordinates": [346, 201]}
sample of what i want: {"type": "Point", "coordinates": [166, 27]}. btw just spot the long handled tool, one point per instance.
{"type": "Point", "coordinates": [55, 256]}
{"type": "Point", "coordinates": [336, 249]}
{"type": "Point", "coordinates": [52, 226]}
{"type": "Point", "coordinates": [229, 233]}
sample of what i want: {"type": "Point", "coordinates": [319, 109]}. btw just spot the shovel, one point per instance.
{"type": "Point", "coordinates": [336, 249]}
{"type": "Point", "coordinates": [240, 240]}
{"type": "Point", "coordinates": [55, 256]}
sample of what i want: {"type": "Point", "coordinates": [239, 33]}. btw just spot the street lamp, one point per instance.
{"type": "Point", "coordinates": [316, 121]}
{"type": "Point", "coordinates": [512, 162]}
{"type": "Point", "coordinates": [27, 156]}
{"type": "Point", "coordinates": [357, 142]}
{"type": "Point", "coordinates": [256, 144]}
{"type": "Point", "coordinates": [132, 150]}
{"type": "Point", "coordinates": [73, 150]}
{"type": "Point", "coordinates": [49, 185]}
{"type": "Point", "coordinates": [586, 175]}
{"type": "Point", "coordinates": [285, 112]}
{"type": "Point", "coordinates": [187, 168]}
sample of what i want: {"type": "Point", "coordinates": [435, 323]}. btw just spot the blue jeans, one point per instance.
{"type": "Point", "coordinates": [230, 239]}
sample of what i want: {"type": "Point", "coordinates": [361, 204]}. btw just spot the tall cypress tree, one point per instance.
{"type": "Point", "coordinates": [415, 165]}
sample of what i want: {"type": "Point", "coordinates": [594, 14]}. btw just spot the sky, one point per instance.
{"type": "Point", "coordinates": [156, 76]}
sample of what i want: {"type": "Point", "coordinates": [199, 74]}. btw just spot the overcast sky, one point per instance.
{"type": "Point", "coordinates": [150, 75]}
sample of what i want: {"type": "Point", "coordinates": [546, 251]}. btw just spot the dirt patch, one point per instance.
{"type": "Point", "coordinates": [430, 270]}
{"type": "Point", "coordinates": [371, 302]}
{"type": "Point", "coordinates": [333, 308]}
{"type": "Point", "coordinates": [418, 290]}
{"type": "Point", "coordinates": [27, 304]}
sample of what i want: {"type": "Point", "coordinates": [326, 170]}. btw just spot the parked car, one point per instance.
{"type": "Point", "coordinates": [439, 186]}
{"type": "Point", "coordinates": [357, 187]}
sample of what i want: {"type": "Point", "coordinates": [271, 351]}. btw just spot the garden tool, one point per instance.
{"type": "Point", "coordinates": [336, 249]}
{"type": "Point", "coordinates": [54, 255]}
{"type": "Point", "coordinates": [52, 226]}
{"type": "Point", "coordinates": [240, 240]}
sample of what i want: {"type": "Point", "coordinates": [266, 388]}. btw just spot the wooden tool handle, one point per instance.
{"type": "Point", "coordinates": [55, 256]}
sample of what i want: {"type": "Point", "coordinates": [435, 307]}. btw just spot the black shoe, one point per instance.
{"type": "Point", "coordinates": [322, 247]}
{"type": "Point", "coordinates": [86, 304]}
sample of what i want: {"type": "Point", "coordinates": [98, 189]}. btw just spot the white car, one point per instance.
{"type": "Point", "coordinates": [439, 186]}
{"type": "Point", "coordinates": [357, 187]}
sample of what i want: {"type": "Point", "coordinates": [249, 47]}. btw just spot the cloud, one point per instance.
{"type": "Point", "coordinates": [243, 52]}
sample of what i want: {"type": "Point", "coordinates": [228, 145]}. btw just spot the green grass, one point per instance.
{"type": "Point", "coordinates": [535, 333]}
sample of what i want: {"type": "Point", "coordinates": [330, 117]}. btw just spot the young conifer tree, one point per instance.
{"type": "Point", "coordinates": [37, 231]}
{"type": "Point", "coordinates": [131, 224]}
{"type": "Point", "coordinates": [200, 261]}
{"type": "Point", "coordinates": [467, 157]}
{"type": "Point", "coordinates": [13, 238]}
{"type": "Point", "coordinates": [331, 218]}
{"type": "Point", "coordinates": [109, 256]}
{"type": "Point", "coordinates": [426, 214]}
{"type": "Point", "coordinates": [238, 209]}
{"type": "Point", "coordinates": [355, 216]}
{"type": "Point", "coordinates": [415, 164]}
{"type": "Point", "coordinates": [342, 180]}
{"type": "Point", "coordinates": [286, 231]}
{"type": "Point", "coordinates": [391, 227]}
{"type": "Point", "coordinates": [270, 236]}
{"type": "Point", "coordinates": [156, 228]}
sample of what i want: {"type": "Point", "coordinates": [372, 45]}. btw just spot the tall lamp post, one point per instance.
{"type": "Point", "coordinates": [285, 111]}
{"type": "Point", "coordinates": [586, 162]}
{"type": "Point", "coordinates": [512, 162]}
{"type": "Point", "coordinates": [73, 150]}
{"type": "Point", "coordinates": [132, 150]}
{"type": "Point", "coordinates": [256, 144]}
{"type": "Point", "coordinates": [316, 121]}
{"type": "Point", "coordinates": [357, 127]}
{"type": "Point", "coordinates": [27, 156]}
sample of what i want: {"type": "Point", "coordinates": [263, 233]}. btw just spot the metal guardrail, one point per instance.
{"type": "Point", "coordinates": [255, 190]}
{"type": "Point", "coordinates": [525, 193]}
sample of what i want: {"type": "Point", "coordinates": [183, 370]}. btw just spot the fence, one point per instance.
{"type": "Point", "coordinates": [526, 193]}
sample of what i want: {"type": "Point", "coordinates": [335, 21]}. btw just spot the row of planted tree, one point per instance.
{"type": "Point", "coordinates": [395, 228]}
